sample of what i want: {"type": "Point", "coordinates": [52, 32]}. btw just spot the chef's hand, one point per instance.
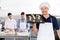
{"type": "Point", "coordinates": [22, 30]}
{"type": "Point", "coordinates": [34, 28]}
{"type": "Point", "coordinates": [10, 28]}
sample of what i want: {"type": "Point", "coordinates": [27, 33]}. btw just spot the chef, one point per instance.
{"type": "Point", "coordinates": [48, 19]}
{"type": "Point", "coordinates": [22, 24]}
{"type": "Point", "coordinates": [10, 25]}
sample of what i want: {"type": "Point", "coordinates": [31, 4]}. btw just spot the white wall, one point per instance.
{"type": "Point", "coordinates": [28, 6]}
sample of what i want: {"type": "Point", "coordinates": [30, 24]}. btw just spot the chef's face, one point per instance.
{"type": "Point", "coordinates": [44, 10]}
{"type": "Point", "coordinates": [23, 17]}
{"type": "Point", "coordinates": [10, 16]}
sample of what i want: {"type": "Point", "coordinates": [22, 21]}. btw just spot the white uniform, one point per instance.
{"type": "Point", "coordinates": [10, 24]}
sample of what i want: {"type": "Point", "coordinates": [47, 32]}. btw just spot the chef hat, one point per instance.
{"type": "Point", "coordinates": [45, 4]}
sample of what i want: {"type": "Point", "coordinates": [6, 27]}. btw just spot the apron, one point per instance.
{"type": "Point", "coordinates": [46, 31]}
{"type": "Point", "coordinates": [23, 26]}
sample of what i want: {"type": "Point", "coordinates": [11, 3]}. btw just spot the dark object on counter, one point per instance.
{"type": "Point", "coordinates": [2, 39]}
{"type": "Point", "coordinates": [2, 29]}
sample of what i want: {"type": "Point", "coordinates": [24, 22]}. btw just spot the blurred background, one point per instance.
{"type": "Point", "coordinates": [29, 7]}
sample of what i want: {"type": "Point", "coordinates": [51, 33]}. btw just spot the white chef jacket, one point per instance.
{"type": "Point", "coordinates": [10, 24]}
